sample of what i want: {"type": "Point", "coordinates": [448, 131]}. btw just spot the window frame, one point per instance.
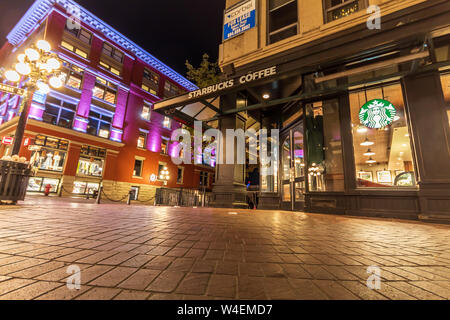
{"type": "Point", "coordinates": [362, 3]}
{"type": "Point", "coordinates": [60, 108]}
{"type": "Point", "coordinates": [112, 54]}
{"type": "Point", "coordinates": [106, 86]}
{"type": "Point", "coordinates": [143, 134]}
{"type": "Point", "coordinates": [100, 120]}
{"type": "Point", "coordinates": [135, 175]}
{"type": "Point", "coordinates": [271, 33]}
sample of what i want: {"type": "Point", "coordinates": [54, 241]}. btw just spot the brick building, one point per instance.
{"type": "Point", "coordinates": [99, 129]}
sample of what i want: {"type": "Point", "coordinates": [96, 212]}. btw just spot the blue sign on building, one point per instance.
{"type": "Point", "coordinates": [239, 19]}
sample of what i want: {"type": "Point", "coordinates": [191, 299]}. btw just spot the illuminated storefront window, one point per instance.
{"type": "Point", "coordinates": [445, 80]}
{"type": "Point", "coordinates": [82, 188]}
{"type": "Point", "coordinates": [38, 184]}
{"type": "Point", "coordinates": [323, 133]}
{"type": "Point", "coordinates": [91, 161]}
{"type": "Point", "coordinates": [49, 153]}
{"type": "Point", "coordinates": [381, 141]}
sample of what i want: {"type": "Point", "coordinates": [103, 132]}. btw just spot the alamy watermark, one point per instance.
{"type": "Point", "coordinates": [74, 279]}
{"type": "Point", "coordinates": [374, 280]}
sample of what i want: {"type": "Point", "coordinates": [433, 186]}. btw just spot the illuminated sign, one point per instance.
{"type": "Point", "coordinates": [239, 19]}
{"type": "Point", "coordinates": [377, 114]}
{"type": "Point", "coordinates": [153, 178]}
{"type": "Point", "coordinates": [10, 89]}
{"type": "Point", "coordinates": [7, 140]}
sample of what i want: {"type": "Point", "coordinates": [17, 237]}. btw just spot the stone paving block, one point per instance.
{"type": "Point", "coordinates": [113, 277]}
{"type": "Point", "coordinates": [63, 293]}
{"type": "Point", "coordinates": [227, 267]}
{"type": "Point", "coordinates": [279, 289]}
{"type": "Point", "coordinates": [13, 284]}
{"type": "Point", "coordinates": [117, 259]}
{"type": "Point", "coordinates": [250, 269]}
{"type": "Point", "coordinates": [305, 289]}
{"type": "Point", "coordinates": [140, 280]}
{"type": "Point", "coordinates": [166, 282]}
{"type": "Point", "coordinates": [207, 266]}
{"type": "Point", "coordinates": [361, 290]}
{"type": "Point", "coordinates": [334, 290]}
{"type": "Point", "coordinates": [182, 264]}
{"type": "Point", "coordinates": [132, 295]}
{"type": "Point", "coordinates": [159, 263]}
{"type": "Point", "coordinates": [414, 291]}
{"type": "Point", "coordinates": [194, 284]}
{"type": "Point", "coordinates": [31, 291]}
{"type": "Point", "coordinates": [137, 261]}
{"type": "Point", "coordinates": [38, 270]}
{"type": "Point", "coordinates": [222, 286]}
{"type": "Point", "coordinates": [251, 288]}
{"type": "Point", "coordinates": [99, 294]}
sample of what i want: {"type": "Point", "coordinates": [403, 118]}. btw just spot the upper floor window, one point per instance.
{"type": "Point", "coordinates": [99, 124]}
{"type": "Point", "coordinates": [110, 68]}
{"type": "Point", "coordinates": [283, 19]}
{"type": "Point", "coordinates": [142, 140]}
{"type": "Point", "coordinates": [105, 90]}
{"type": "Point", "coordinates": [167, 123]}
{"type": "Point", "coordinates": [171, 89]}
{"type": "Point", "coordinates": [72, 76]}
{"type": "Point", "coordinates": [112, 52]}
{"type": "Point", "coordinates": [58, 112]}
{"type": "Point", "coordinates": [146, 112]}
{"type": "Point", "coordinates": [336, 9]}
{"type": "Point", "coordinates": [150, 81]}
{"type": "Point", "coordinates": [80, 33]}
{"type": "Point", "coordinates": [74, 49]}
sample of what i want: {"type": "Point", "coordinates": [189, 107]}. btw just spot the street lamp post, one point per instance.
{"type": "Point", "coordinates": [40, 66]}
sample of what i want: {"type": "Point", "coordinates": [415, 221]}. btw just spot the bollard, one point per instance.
{"type": "Point", "coordinates": [99, 195]}
{"type": "Point", "coordinates": [129, 198]}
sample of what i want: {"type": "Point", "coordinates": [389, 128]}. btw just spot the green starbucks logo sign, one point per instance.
{"type": "Point", "coordinates": [377, 114]}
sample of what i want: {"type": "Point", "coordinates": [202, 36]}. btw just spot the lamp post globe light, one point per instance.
{"type": "Point", "coordinates": [40, 67]}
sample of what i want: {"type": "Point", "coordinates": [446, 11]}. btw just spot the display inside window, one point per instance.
{"type": "Point", "coordinates": [142, 140]}
{"type": "Point", "coordinates": [90, 167]}
{"type": "Point", "coordinates": [167, 123]}
{"type": "Point", "coordinates": [324, 146]}
{"type": "Point", "coordinates": [146, 111]}
{"type": "Point", "coordinates": [137, 171]}
{"type": "Point", "coordinates": [381, 140]}
{"type": "Point", "coordinates": [48, 159]}
{"type": "Point", "coordinates": [81, 187]}
{"type": "Point", "coordinates": [164, 146]}
{"type": "Point", "coordinates": [105, 90]}
{"type": "Point", "coordinates": [336, 9]}
{"type": "Point", "coordinates": [38, 184]}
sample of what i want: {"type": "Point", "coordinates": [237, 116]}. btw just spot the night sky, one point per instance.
{"type": "Point", "coordinates": [171, 30]}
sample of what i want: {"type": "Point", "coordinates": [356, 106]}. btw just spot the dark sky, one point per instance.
{"type": "Point", "coordinates": [171, 30]}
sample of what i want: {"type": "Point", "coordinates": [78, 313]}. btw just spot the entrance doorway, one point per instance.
{"type": "Point", "coordinates": [293, 169]}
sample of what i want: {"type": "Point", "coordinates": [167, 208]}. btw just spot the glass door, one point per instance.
{"type": "Point", "coordinates": [293, 169]}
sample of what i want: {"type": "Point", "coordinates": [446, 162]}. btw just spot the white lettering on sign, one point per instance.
{"type": "Point", "coordinates": [230, 83]}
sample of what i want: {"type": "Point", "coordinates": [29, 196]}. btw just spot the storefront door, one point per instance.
{"type": "Point", "coordinates": [292, 169]}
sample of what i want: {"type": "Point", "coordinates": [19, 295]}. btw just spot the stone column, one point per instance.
{"type": "Point", "coordinates": [230, 190]}
{"type": "Point", "coordinates": [431, 135]}
{"type": "Point", "coordinates": [82, 116]}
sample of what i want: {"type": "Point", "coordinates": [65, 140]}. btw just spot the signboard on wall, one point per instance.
{"type": "Point", "coordinates": [239, 19]}
{"type": "Point", "coordinates": [7, 140]}
{"type": "Point", "coordinates": [10, 89]}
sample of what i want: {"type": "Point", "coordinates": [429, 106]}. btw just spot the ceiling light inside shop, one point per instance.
{"type": "Point", "coordinates": [367, 142]}
{"type": "Point", "coordinates": [371, 160]}
{"type": "Point", "coordinates": [266, 96]}
{"type": "Point", "coordinates": [369, 153]}
{"type": "Point", "coordinates": [361, 130]}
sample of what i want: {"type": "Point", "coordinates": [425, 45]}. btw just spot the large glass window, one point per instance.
{"type": "Point", "coordinates": [58, 112]}
{"type": "Point", "coordinates": [72, 76]}
{"type": "Point", "coordinates": [83, 188]}
{"type": "Point", "coordinates": [38, 184]}
{"type": "Point", "coordinates": [105, 90]}
{"type": "Point", "coordinates": [170, 89]}
{"type": "Point", "coordinates": [324, 146]}
{"type": "Point", "coordinates": [445, 80]}
{"type": "Point", "coordinates": [138, 165]}
{"type": "Point", "coordinates": [150, 81]}
{"type": "Point", "coordinates": [283, 19]}
{"type": "Point", "coordinates": [142, 140]}
{"type": "Point", "coordinates": [381, 141]}
{"type": "Point", "coordinates": [74, 49]}
{"type": "Point", "coordinates": [49, 153]}
{"type": "Point", "coordinates": [99, 124]}
{"type": "Point", "coordinates": [146, 111]}
{"type": "Point", "coordinates": [336, 9]}
{"type": "Point", "coordinates": [112, 52]}
{"type": "Point", "coordinates": [80, 33]}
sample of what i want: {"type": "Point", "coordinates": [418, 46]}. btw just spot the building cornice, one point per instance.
{"type": "Point", "coordinates": [41, 8]}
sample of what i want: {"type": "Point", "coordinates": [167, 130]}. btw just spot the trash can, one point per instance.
{"type": "Point", "coordinates": [14, 178]}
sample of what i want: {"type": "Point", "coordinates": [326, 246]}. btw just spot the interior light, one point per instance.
{"type": "Point", "coordinates": [21, 57]}
{"type": "Point", "coordinates": [369, 153]}
{"type": "Point", "coordinates": [43, 87]}
{"type": "Point", "coordinates": [361, 130]}
{"type": "Point", "coordinates": [367, 142]}
{"type": "Point", "coordinates": [54, 63]}
{"type": "Point", "coordinates": [12, 76]}
{"type": "Point", "coordinates": [266, 96]}
{"type": "Point", "coordinates": [371, 160]}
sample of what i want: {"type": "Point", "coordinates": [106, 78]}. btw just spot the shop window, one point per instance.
{"type": "Point", "coordinates": [324, 146]}
{"type": "Point", "coordinates": [336, 9]}
{"type": "Point", "coordinates": [445, 80]}
{"type": "Point", "coordinates": [150, 81]}
{"type": "Point", "coordinates": [59, 113]}
{"type": "Point", "coordinates": [112, 52]}
{"type": "Point", "coordinates": [71, 75]}
{"type": "Point", "coordinates": [90, 167]}
{"type": "Point", "coordinates": [165, 146]}
{"type": "Point", "coordinates": [138, 165]}
{"type": "Point", "coordinates": [80, 33]}
{"type": "Point", "coordinates": [146, 112]}
{"type": "Point", "coordinates": [204, 179]}
{"type": "Point", "coordinates": [105, 90]}
{"type": "Point", "coordinates": [180, 175]}
{"type": "Point", "coordinates": [49, 153]}
{"type": "Point", "coordinates": [38, 184]}
{"type": "Point", "coordinates": [171, 89]}
{"type": "Point", "coordinates": [84, 188]}
{"type": "Point", "coordinates": [381, 141]}
{"type": "Point", "coordinates": [134, 193]}
{"type": "Point", "coordinates": [99, 124]}
{"type": "Point", "coordinates": [74, 49]}
{"type": "Point", "coordinates": [283, 19]}
{"type": "Point", "coordinates": [167, 123]}
{"type": "Point", "coordinates": [142, 140]}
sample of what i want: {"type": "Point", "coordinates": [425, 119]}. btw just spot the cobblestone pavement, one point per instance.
{"type": "Point", "coordinates": [140, 252]}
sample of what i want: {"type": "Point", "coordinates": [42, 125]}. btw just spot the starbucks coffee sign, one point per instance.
{"type": "Point", "coordinates": [377, 114]}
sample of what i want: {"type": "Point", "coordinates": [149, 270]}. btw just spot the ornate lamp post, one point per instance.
{"type": "Point", "coordinates": [40, 66]}
{"type": "Point", "coordinates": [164, 175]}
